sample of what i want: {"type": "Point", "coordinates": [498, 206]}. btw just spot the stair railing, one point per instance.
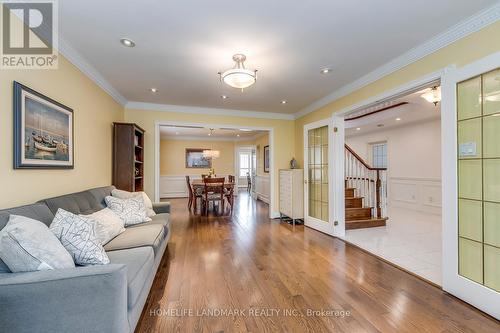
{"type": "Point", "coordinates": [370, 183]}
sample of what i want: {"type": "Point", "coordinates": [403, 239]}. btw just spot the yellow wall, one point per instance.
{"type": "Point", "coordinates": [283, 136]}
{"type": "Point", "coordinates": [94, 111]}
{"type": "Point", "coordinates": [460, 53]}
{"type": "Point", "coordinates": [173, 157]}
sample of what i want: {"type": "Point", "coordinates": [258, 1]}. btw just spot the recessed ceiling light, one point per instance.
{"type": "Point", "coordinates": [209, 134]}
{"type": "Point", "coordinates": [127, 42]}
{"type": "Point", "coordinates": [224, 97]}
{"type": "Point", "coordinates": [398, 119]}
{"type": "Point", "coordinates": [326, 70]}
{"type": "Point", "coordinates": [358, 129]}
{"type": "Point", "coordinates": [153, 90]}
{"type": "Point", "coordinates": [238, 135]}
{"type": "Point", "coordinates": [283, 102]}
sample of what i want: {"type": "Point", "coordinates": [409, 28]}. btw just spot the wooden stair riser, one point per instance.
{"type": "Point", "coordinates": [352, 214]}
{"type": "Point", "coordinates": [360, 224]}
{"type": "Point", "coordinates": [349, 192]}
{"type": "Point", "coordinates": [356, 202]}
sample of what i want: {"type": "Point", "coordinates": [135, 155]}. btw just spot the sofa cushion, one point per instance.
{"type": "Point", "coordinates": [85, 202]}
{"type": "Point", "coordinates": [37, 211]}
{"type": "Point", "coordinates": [144, 235]}
{"type": "Point", "coordinates": [159, 219]}
{"type": "Point", "coordinates": [139, 262]}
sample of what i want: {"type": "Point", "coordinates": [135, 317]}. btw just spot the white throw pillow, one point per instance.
{"type": "Point", "coordinates": [109, 224]}
{"type": "Point", "coordinates": [78, 235]}
{"type": "Point", "coordinates": [27, 245]}
{"type": "Point", "coordinates": [131, 211]}
{"type": "Point", "coordinates": [127, 195]}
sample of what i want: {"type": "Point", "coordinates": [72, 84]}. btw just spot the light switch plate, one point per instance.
{"type": "Point", "coordinates": [467, 149]}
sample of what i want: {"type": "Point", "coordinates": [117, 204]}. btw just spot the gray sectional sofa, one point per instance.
{"type": "Point", "coordinates": [107, 298]}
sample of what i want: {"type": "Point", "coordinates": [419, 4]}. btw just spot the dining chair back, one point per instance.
{"type": "Point", "coordinates": [190, 192]}
{"type": "Point", "coordinates": [230, 178]}
{"type": "Point", "coordinates": [214, 191]}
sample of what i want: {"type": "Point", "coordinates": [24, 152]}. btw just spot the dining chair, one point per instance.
{"type": "Point", "coordinates": [194, 195]}
{"type": "Point", "coordinates": [229, 192]}
{"type": "Point", "coordinates": [190, 192]}
{"type": "Point", "coordinates": [249, 182]}
{"type": "Point", "coordinates": [214, 191]}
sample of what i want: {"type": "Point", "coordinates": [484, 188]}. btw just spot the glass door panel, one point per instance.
{"type": "Point", "coordinates": [318, 173]}
{"type": "Point", "coordinates": [478, 128]}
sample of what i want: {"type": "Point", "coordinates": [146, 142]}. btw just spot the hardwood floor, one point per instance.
{"type": "Point", "coordinates": [276, 275]}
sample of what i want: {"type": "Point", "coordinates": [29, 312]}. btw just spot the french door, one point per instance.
{"type": "Point", "coordinates": [471, 183]}
{"type": "Point", "coordinates": [320, 208]}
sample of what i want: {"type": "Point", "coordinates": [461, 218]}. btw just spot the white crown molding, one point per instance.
{"type": "Point", "coordinates": [76, 59]}
{"type": "Point", "coordinates": [207, 111]}
{"type": "Point", "coordinates": [203, 138]}
{"type": "Point", "coordinates": [459, 31]}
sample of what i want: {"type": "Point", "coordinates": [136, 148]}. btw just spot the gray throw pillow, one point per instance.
{"type": "Point", "coordinates": [27, 245]}
{"type": "Point", "coordinates": [78, 235]}
{"type": "Point", "coordinates": [131, 211]}
{"type": "Point", "coordinates": [108, 224]}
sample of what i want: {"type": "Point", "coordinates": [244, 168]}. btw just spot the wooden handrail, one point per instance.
{"type": "Point", "coordinates": [377, 111]}
{"type": "Point", "coordinates": [361, 160]}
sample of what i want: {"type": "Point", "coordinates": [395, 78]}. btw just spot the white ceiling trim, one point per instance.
{"type": "Point", "coordinates": [76, 59]}
{"type": "Point", "coordinates": [204, 138]}
{"type": "Point", "coordinates": [459, 31]}
{"type": "Point", "coordinates": [207, 111]}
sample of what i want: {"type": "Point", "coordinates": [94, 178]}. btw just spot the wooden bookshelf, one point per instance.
{"type": "Point", "coordinates": [128, 157]}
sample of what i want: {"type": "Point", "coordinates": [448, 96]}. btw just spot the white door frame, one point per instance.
{"type": "Point", "coordinates": [272, 212]}
{"type": "Point", "coordinates": [338, 117]}
{"type": "Point", "coordinates": [323, 226]}
{"type": "Point", "coordinates": [237, 160]}
{"type": "Point", "coordinates": [474, 293]}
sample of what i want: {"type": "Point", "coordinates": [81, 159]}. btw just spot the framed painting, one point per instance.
{"type": "Point", "coordinates": [195, 159]}
{"type": "Point", "coordinates": [43, 131]}
{"type": "Point", "coordinates": [266, 159]}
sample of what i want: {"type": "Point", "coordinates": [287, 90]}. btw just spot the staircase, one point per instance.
{"type": "Point", "coordinates": [365, 193]}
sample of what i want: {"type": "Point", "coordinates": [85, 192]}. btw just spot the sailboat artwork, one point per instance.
{"type": "Point", "coordinates": [45, 129]}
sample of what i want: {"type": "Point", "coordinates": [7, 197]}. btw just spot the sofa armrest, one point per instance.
{"type": "Point", "coordinates": [161, 207]}
{"type": "Point", "coordinates": [82, 299]}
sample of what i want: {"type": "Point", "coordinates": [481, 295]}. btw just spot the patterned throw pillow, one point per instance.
{"type": "Point", "coordinates": [131, 211]}
{"type": "Point", "coordinates": [27, 245]}
{"type": "Point", "coordinates": [78, 235]}
{"type": "Point", "coordinates": [108, 224]}
{"type": "Point", "coordinates": [127, 195]}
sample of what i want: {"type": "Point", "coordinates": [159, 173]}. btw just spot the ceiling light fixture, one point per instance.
{"type": "Point", "coordinates": [127, 42]}
{"type": "Point", "coordinates": [283, 102]}
{"type": "Point", "coordinates": [224, 97]}
{"type": "Point", "coordinates": [238, 135]}
{"type": "Point", "coordinates": [245, 130]}
{"type": "Point", "coordinates": [398, 119]}
{"type": "Point", "coordinates": [433, 95]}
{"type": "Point", "coordinates": [210, 153]}
{"type": "Point", "coordinates": [153, 90]}
{"type": "Point", "coordinates": [239, 77]}
{"type": "Point", "coordinates": [358, 129]}
{"type": "Point", "coordinates": [326, 70]}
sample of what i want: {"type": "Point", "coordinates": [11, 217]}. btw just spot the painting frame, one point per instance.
{"type": "Point", "coordinates": [21, 160]}
{"type": "Point", "coordinates": [191, 151]}
{"type": "Point", "coordinates": [266, 159]}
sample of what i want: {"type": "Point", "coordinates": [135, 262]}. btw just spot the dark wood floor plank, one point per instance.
{"type": "Point", "coordinates": [247, 262]}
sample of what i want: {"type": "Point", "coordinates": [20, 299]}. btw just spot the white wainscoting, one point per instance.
{"type": "Point", "coordinates": [422, 194]}
{"type": "Point", "coordinates": [262, 188]}
{"type": "Point", "coordinates": [174, 186]}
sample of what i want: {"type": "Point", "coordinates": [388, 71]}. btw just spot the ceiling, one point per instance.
{"type": "Point", "coordinates": [181, 45]}
{"type": "Point", "coordinates": [200, 133]}
{"type": "Point", "coordinates": [417, 110]}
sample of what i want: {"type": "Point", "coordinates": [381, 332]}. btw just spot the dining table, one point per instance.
{"type": "Point", "coordinates": [199, 183]}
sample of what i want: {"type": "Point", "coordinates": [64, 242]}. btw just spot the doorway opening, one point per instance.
{"type": "Point", "coordinates": [180, 153]}
{"type": "Point", "coordinates": [393, 182]}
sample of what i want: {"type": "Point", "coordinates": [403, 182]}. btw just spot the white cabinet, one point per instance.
{"type": "Point", "coordinates": [292, 193]}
